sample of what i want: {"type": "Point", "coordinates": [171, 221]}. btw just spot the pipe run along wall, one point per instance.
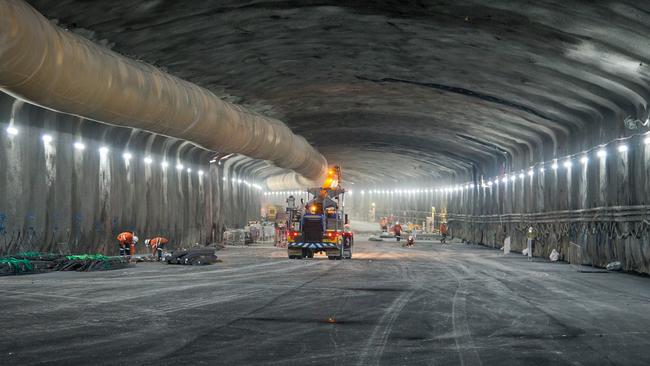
{"type": "Point", "coordinates": [56, 69]}
{"type": "Point", "coordinates": [56, 198]}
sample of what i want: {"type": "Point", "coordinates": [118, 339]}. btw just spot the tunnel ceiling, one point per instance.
{"type": "Point", "coordinates": [401, 90]}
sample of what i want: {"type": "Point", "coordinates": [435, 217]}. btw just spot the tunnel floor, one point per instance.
{"type": "Point", "coordinates": [432, 304]}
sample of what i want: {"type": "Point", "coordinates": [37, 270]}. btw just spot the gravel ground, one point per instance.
{"type": "Point", "coordinates": [432, 304]}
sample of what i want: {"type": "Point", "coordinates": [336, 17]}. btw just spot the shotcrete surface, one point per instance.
{"type": "Point", "coordinates": [435, 87]}
{"type": "Point", "coordinates": [432, 304]}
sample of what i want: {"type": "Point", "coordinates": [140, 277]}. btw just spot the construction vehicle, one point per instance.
{"type": "Point", "coordinates": [323, 227]}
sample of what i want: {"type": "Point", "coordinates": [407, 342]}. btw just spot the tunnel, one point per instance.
{"type": "Point", "coordinates": [479, 172]}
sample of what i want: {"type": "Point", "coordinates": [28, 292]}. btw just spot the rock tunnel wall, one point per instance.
{"type": "Point", "coordinates": [57, 198]}
{"type": "Point", "coordinates": [592, 213]}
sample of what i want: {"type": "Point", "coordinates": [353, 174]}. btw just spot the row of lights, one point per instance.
{"type": "Point", "coordinates": [284, 193]}
{"type": "Point", "coordinates": [601, 153]}
{"type": "Point", "coordinates": [246, 183]}
{"type": "Point", "coordinates": [291, 193]}
{"type": "Point", "coordinates": [127, 156]}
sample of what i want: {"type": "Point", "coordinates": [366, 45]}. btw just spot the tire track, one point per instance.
{"type": "Point", "coordinates": [381, 332]}
{"type": "Point", "coordinates": [467, 353]}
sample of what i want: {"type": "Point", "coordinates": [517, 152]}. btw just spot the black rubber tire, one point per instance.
{"type": "Point", "coordinates": [331, 257]}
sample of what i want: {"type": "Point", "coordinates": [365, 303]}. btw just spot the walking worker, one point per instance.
{"type": "Point", "coordinates": [443, 232]}
{"type": "Point", "coordinates": [127, 242]}
{"type": "Point", "coordinates": [398, 230]}
{"type": "Point", "coordinates": [157, 245]}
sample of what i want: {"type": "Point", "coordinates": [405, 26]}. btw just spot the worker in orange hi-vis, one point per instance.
{"type": "Point", "coordinates": [157, 245]}
{"type": "Point", "coordinates": [443, 232]}
{"type": "Point", "coordinates": [127, 243]}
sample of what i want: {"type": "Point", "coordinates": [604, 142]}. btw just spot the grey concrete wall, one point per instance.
{"type": "Point", "coordinates": [54, 197]}
{"type": "Point", "coordinates": [592, 214]}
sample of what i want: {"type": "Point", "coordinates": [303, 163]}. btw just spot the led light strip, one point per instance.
{"type": "Point", "coordinates": [104, 151]}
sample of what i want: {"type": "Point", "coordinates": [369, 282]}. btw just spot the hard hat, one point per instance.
{"type": "Point", "coordinates": [135, 239]}
{"type": "Point", "coordinates": [146, 241]}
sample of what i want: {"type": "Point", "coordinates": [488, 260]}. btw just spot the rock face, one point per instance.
{"type": "Point", "coordinates": [437, 88]}
{"type": "Point", "coordinates": [427, 92]}
{"type": "Point", "coordinates": [57, 198]}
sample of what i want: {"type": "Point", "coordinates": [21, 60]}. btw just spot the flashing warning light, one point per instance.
{"type": "Point", "coordinates": [313, 209]}
{"type": "Point", "coordinates": [332, 180]}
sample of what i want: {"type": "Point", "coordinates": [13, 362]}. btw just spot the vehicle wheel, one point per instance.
{"type": "Point", "coordinates": [331, 257]}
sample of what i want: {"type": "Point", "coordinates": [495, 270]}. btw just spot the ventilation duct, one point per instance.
{"type": "Point", "coordinates": [58, 70]}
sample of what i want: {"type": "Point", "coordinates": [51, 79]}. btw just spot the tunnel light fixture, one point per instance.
{"type": "Point", "coordinates": [513, 177]}
{"type": "Point", "coordinates": [201, 173]}
{"type": "Point", "coordinates": [602, 153]}
{"type": "Point", "coordinates": [11, 130]}
{"type": "Point", "coordinates": [472, 185]}
{"type": "Point", "coordinates": [79, 146]}
{"type": "Point", "coordinates": [189, 170]}
{"type": "Point", "coordinates": [541, 170]}
{"type": "Point", "coordinates": [567, 164]}
{"type": "Point", "coordinates": [622, 148]}
{"type": "Point", "coordinates": [363, 192]}
{"type": "Point", "coordinates": [223, 179]}
{"type": "Point", "coordinates": [47, 138]}
{"type": "Point", "coordinates": [504, 179]}
{"type": "Point", "coordinates": [521, 175]}
{"type": "Point", "coordinates": [647, 140]}
{"type": "Point", "coordinates": [103, 150]}
{"type": "Point", "coordinates": [127, 156]}
{"type": "Point", "coordinates": [239, 181]}
{"type": "Point", "coordinates": [584, 160]}
{"type": "Point", "coordinates": [148, 160]}
{"type": "Point", "coordinates": [531, 172]}
{"type": "Point", "coordinates": [164, 164]}
{"type": "Point", "coordinates": [180, 166]}
{"type": "Point", "coordinates": [490, 183]}
{"type": "Point", "coordinates": [554, 166]}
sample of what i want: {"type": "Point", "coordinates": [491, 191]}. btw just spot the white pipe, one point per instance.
{"type": "Point", "coordinates": [56, 69]}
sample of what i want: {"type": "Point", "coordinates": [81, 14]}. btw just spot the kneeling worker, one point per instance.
{"type": "Point", "coordinates": [127, 243]}
{"type": "Point", "coordinates": [157, 245]}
